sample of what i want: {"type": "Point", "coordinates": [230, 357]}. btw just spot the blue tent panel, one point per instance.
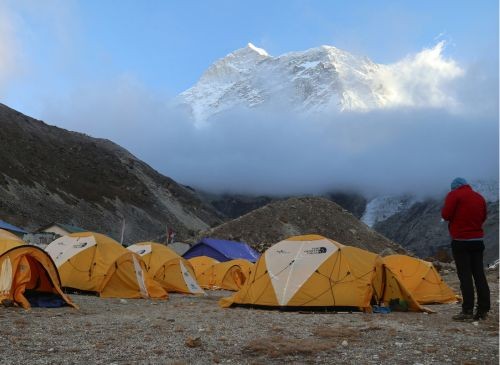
{"type": "Point", "coordinates": [10, 227]}
{"type": "Point", "coordinates": [222, 250]}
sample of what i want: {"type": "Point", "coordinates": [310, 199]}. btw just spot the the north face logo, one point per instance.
{"type": "Point", "coordinates": [282, 251]}
{"type": "Point", "coordinates": [315, 251]}
{"type": "Point", "coordinates": [80, 245]}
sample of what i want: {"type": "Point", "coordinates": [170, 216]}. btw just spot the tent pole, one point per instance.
{"type": "Point", "coordinates": [123, 232]}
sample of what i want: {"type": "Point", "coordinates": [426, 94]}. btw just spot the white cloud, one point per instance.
{"type": "Point", "coordinates": [422, 80]}
{"type": "Point", "coordinates": [393, 150]}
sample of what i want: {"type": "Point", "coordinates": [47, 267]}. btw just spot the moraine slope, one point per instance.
{"type": "Point", "coordinates": [51, 174]}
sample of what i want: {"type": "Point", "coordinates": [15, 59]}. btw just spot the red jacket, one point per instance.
{"type": "Point", "coordinates": [465, 211]}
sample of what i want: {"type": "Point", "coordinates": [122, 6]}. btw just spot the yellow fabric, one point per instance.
{"type": "Point", "coordinates": [420, 278]}
{"type": "Point", "coordinates": [107, 269]}
{"type": "Point", "coordinates": [388, 286]}
{"type": "Point", "coordinates": [7, 243]}
{"type": "Point", "coordinates": [246, 268]}
{"type": "Point", "coordinates": [343, 279]}
{"type": "Point", "coordinates": [164, 266]}
{"type": "Point", "coordinates": [257, 290]}
{"type": "Point", "coordinates": [347, 277]}
{"type": "Point", "coordinates": [29, 268]}
{"type": "Point", "coordinates": [228, 275]}
{"type": "Point", "coordinates": [200, 264]}
{"type": "Point", "coordinates": [9, 236]}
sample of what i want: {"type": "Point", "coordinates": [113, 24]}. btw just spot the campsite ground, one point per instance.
{"type": "Point", "coordinates": [194, 330]}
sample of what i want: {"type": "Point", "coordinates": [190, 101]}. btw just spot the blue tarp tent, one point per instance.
{"type": "Point", "coordinates": [222, 250]}
{"type": "Point", "coordinates": [9, 227]}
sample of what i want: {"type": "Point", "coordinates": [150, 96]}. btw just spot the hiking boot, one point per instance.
{"type": "Point", "coordinates": [463, 316]}
{"type": "Point", "coordinates": [480, 315]}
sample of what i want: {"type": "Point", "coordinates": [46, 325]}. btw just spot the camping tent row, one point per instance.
{"type": "Point", "coordinates": [89, 262]}
{"type": "Point", "coordinates": [303, 271]}
{"type": "Point", "coordinates": [28, 276]}
{"type": "Point", "coordinates": [313, 271]}
{"type": "Point", "coordinates": [92, 262]}
{"type": "Point", "coordinates": [228, 275]}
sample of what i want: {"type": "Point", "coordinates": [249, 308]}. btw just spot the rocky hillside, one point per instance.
{"type": "Point", "coordinates": [51, 174]}
{"type": "Point", "coordinates": [420, 230]}
{"type": "Point", "coordinates": [296, 216]}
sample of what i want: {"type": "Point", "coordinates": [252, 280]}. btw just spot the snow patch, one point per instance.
{"type": "Point", "coordinates": [260, 51]}
{"type": "Point", "coordinates": [381, 208]}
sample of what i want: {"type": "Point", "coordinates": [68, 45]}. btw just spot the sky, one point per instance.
{"type": "Point", "coordinates": [63, 60]}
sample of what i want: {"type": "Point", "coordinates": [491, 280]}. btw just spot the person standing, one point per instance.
{"type": "Point", "coordinates": [465, 210]}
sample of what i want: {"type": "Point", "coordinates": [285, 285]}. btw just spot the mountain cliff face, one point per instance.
{"type": "Point", "coordinates": [383, 207]}
{"type": "Point", "coordinates": [420, 230]}
{"type": "Point", "coordinates": [51, 174]}
{"type": "Point", "coordinates": [315, 80]}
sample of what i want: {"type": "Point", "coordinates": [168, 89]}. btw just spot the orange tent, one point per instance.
{"type": "Point", "coordinates": [314, 271]}
{"type": "Point", "coordinates": [228, 275]}
{"type": "Point", "coordinates": [419, 277]}
{"type": "Point", "coordinates": [27, 271]}
{"type": "Point", "coordinates": [9, 236]}
{"type": "Point", "coordinates": [173, 272]}
{"type": "Point", "coordinates": [201, 263]}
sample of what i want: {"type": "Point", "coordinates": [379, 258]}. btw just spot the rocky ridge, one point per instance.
{"type": "Point", "coordinates": [297, 216]}
{"type": "Point", "coordinates": [51, 174]}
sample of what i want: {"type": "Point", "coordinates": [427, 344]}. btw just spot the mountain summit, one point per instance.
{"type": "Point", "coordinates": [321, 79]}
{"type": "Point", "coordinates": [314, 80]}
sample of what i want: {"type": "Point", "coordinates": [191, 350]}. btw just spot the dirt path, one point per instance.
{"type": "Point", "coordinates": [191, 330]}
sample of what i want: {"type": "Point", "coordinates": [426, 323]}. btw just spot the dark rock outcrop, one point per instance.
{"type": "Point", "coordinates": [297, 216]}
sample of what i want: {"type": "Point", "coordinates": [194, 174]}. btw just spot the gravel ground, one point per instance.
{"type": "Point", "coordinates": [194, 330]}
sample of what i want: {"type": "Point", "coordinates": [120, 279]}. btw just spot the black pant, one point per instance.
{"type": "Point", "coordinates": [468, 256]}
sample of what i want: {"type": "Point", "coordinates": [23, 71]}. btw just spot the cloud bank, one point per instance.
{"type": "Point", "coordinates": [449, 129]}
{"type": "Point", "coordinates": [422, 80]}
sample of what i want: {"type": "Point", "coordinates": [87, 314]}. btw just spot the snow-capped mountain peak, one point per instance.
{"type": "Point", "coordinates": [321, 79]}
{"type": "Point", "coordinates": [234, 65]}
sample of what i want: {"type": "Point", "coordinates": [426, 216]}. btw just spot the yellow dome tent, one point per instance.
{"type": "Point", "coordinates": [228, 275]}
{"type": "Point", "coordinates": [173, 272]}
{"type": "Point", "coordinates": [309, 271]}
{"type": "Point", "coordinates": [419, 277]}
{"type": "Point", "coordinates": [93, 262]}
{"type": "Point", "coordinates": [27, 271]}
{"type": "Point", "coordinates": [246, 268]}
{"type": "Point", "coordinates": [200, 264]}
{"type": "Point", "coordinates": [313, 271]}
